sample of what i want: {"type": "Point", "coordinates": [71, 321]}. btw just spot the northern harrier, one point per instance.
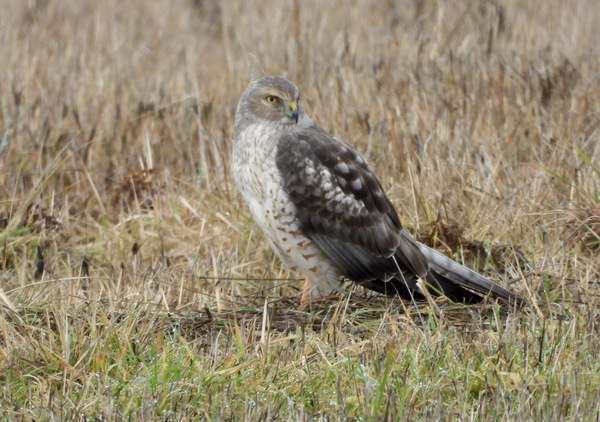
{"type": "Point", "coordinates": [325, 213]}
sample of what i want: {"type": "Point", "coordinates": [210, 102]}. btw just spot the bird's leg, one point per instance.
{"type": "Point", "coordinates": [306, 295]}
{"type": "Point", "coordinates": [311, 293]}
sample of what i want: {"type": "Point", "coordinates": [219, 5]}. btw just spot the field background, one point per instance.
{"type": "Point", "coordinates": [134, 284]}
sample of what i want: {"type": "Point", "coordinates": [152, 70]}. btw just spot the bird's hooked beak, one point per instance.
{"type": "Point", "coordinates": [292, 110]}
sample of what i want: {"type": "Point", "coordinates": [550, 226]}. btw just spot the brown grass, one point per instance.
{"type": "Point", "coordinates": [135, 285]}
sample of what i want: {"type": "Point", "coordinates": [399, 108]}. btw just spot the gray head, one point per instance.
{"type": "Point", "coordinates": [273, 99]}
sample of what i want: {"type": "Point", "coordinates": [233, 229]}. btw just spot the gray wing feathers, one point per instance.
{"type": "Point", "coordinates": [342, 207]}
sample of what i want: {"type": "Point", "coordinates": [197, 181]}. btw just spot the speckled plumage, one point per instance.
{"type": "Point", "coordinates": [322, 209]}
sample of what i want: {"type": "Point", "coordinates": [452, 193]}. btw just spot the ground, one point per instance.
{"type": "Point", "coordinates": [134, 285]}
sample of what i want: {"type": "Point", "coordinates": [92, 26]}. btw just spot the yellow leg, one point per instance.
{"type": "Point", "coordinates": [305, 298]}
{"type": "Point", "coordinates": [308, 296]}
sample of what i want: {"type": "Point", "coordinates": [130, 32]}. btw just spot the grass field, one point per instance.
{"type": "Point", "coordinates": [134, 284]}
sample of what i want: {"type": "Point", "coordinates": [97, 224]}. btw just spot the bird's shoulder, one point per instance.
{"type": "Point", "coordinates": [335, 192]}
{"type": "Point", "coordinates": [312, 158]}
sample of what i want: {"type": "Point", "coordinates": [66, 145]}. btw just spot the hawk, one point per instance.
{"type": "Point", "coordinates": [324, 212]}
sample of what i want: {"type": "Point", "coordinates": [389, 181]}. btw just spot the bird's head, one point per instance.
{"type": "Point", "coordinates": [271, 98]}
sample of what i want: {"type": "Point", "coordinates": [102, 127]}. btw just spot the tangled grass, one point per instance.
{"type": "Point", "coordinates": [134, 284]}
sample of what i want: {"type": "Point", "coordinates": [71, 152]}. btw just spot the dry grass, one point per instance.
{"type": "Point", "coordinates": [134, 285]}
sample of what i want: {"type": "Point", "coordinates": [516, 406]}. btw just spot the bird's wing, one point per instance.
{"type": "Point", "coordinates": [342, 207]}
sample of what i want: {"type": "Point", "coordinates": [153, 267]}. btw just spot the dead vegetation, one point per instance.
{"type": "Point", "coordinates": [134, 285]}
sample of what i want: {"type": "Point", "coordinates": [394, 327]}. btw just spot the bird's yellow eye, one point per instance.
{"type": "Point", "coordinates": [271, 99]}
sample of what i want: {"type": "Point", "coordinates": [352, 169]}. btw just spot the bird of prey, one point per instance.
{"type": "Point", "coordinates": [324, 212]}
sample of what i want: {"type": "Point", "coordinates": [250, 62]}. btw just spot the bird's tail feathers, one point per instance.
{"type": "Point", "coordinates": [460, 283]}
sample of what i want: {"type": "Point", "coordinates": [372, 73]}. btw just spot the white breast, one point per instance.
{"type": "Point", "coordinates": [258, 179]}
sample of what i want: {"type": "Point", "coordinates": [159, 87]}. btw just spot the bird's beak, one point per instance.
{"type": "Point", "coordinates": [292, 110]}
